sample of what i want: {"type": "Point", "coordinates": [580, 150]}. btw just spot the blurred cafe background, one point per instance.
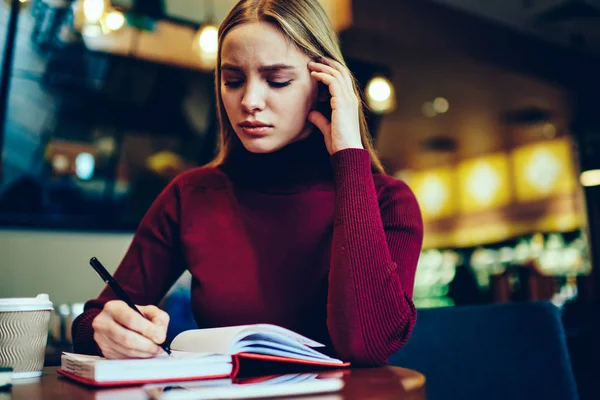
{"type": "Point", "coordinates": [487, 109]}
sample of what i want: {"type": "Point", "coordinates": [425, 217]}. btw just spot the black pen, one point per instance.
{"type": "Point", "coordinates": [114, 285]}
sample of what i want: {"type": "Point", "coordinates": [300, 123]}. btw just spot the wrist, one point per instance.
{"type": "Point", "coordinates": [345, 146]}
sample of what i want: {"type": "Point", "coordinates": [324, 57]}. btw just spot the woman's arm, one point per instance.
{"type": "Point", "coordinates": [377, 241]}
{"type": "Point", "coordinates": [151, 265]}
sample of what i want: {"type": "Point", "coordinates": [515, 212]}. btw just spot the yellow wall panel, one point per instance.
{"type": "Point", "coordinates": [543, 170]}
{"type": "Point", "coordinates": [484, 183]}
{"type": "Point", "coordinates": [435, 191]}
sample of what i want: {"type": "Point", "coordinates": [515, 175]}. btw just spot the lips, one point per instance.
{"type": "Point", "coordinates": [255, 128]}
{"type": "Point", "coordinates": [254, 124]}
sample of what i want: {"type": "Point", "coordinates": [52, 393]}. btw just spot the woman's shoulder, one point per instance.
{"type": "Point", "coordinates": [388, 187]}
{"type": "Point", "coordinates": [208, 176]}
{"type": "Point", "coordinates": [395, 194]}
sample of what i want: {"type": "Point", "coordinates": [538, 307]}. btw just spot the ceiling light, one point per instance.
{"type": "Point", "coordinates": [93, 10]}
{"type": "Point", "coordinates": [23, 2]}
{"type": "Point", "coordinates": [440, 105]}
{"type": "Point", "coordinates": [60, 163]}
{"type": "Point", "coordinates": [379, 89]}
{"type": "Point", "coordinates": [84, 166]}
{"type": "Point", "coordinates": [114, 20]}
{"type": "Point", "coordinates": [380, 94]}
{"type": "Point", "coordinates": [208, 39]}
{"type": "Point", "coordinates": [590, 177]}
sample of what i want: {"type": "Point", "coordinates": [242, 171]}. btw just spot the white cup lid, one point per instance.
{"type": "Point", "coordinates": [40, 302]}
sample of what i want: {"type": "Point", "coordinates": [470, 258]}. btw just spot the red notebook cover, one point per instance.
{"type": "Point", "coordinates": [275, 363]}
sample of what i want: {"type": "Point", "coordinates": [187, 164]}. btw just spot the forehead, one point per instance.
{"type": "Point", "coordinates": [253, 44]}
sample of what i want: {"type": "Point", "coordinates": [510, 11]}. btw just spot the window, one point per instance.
{"type": "Point", "coordinates": [91, 139]}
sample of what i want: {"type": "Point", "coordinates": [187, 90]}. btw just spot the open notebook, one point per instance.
{"type": "Point", "coordinates": [203, 354]}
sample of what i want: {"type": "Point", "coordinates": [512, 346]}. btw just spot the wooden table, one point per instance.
{"type": "Point", "coordinates": [360, 383]}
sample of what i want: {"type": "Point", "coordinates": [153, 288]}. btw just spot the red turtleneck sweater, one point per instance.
{"type": "Point", "coordinates": [315, 243]}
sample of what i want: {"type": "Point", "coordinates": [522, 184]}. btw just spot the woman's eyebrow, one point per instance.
{"type": "Point", "coordinates": [275, 67]}
{"type": "Point", "coordinates": [231, 67]}
{"type": "Point", "coordinates": [262, 69]}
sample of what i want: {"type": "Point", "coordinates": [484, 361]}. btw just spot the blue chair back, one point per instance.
{"type": "Point", "coordinates": [500, 351]}
{"type": "Point", "coordinates": [178, 305]}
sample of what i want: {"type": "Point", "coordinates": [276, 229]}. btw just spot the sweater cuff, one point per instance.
{"type": "Point", "coordinates": [355, 189]}
{"type": "Point", "coordinates": [349, 164]}
{"type": "Point", "coordinates": [83, 333]}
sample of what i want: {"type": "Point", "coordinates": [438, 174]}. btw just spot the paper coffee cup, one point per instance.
{"type": "Point", "coordinates": [24, 324]}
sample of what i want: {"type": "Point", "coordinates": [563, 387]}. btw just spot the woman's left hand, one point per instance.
{"type": "Point", "coordinates": [343, 131]}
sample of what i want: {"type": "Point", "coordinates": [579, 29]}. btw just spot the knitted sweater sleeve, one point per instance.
{"type": "Point", "coordinates": [377, 239]}
{"type": "Point", "coordinates": [150, 267]}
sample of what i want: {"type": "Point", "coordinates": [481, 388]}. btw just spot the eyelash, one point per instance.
{"type": "Point", "coordinates": [276, 85]}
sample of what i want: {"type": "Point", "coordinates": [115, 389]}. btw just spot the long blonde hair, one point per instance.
{"type": "Point", "coordinates": [305, 23]}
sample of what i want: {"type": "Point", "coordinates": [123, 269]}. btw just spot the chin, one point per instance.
{"type": "Point", "coordinates": [254, 146]}
{"type": "Point", "coordinates": [262, 145]}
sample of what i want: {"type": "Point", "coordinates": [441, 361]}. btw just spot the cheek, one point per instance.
{"type": "Point", "coordinates": [298, 102]}
{"type": "Point", "coordinates": [228, 101]}
{"type": "Point", "coordinates": [309, 98]}
{"type": "Point", "coordinates": [294, 111]}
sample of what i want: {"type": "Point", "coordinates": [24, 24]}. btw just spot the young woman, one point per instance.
{"type": "Point", "coordinates": [294, 223]}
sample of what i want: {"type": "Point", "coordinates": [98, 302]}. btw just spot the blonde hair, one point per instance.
{"type": "Point", "coordinates": [305, 23]}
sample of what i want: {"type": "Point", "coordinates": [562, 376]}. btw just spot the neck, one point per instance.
{"type": "Point", "coordinates": [295, 167]}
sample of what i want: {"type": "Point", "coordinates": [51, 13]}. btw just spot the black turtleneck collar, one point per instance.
{"type": "Point", "coordinates": [295, 167]}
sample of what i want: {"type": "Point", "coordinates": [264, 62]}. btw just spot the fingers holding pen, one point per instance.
{"type": "Point", "coordinates": [120, 332]}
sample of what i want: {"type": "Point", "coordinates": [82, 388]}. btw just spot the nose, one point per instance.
{"type": "Point", "coordinates": [254, 98]}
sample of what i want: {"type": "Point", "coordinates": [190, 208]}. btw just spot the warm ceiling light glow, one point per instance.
{"type": "Point", "coordinates": [483, 183]}
{"type": "Point", "coordinates": [93, 10]}
{"type": "Point", "coordinates": [440, 105]}
{"type": "Point", "coordinates": [433, 194]}
{"type": "Point", "coordinates": [60, 163]}
{"type": "Point", "coordinates": [543, 170]}
{"type": "Point", "coordinates": [379, 89]}
{"type": "Point", "coordinates": [206, 46]}
{"type": "Point", "coordinates": [208, 39]}
{"type": "Point", "coordinates": [23, 2]}
{"type": "Point", "coordinates": [380, 95]}
{"type": "Point", "coordinates": [114, 20]}
{"type": "Point", "coordinates": [590, 177]}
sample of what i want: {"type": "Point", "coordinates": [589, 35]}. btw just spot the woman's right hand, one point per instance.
{"type": "Point", "coordinates": [120, 332]}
